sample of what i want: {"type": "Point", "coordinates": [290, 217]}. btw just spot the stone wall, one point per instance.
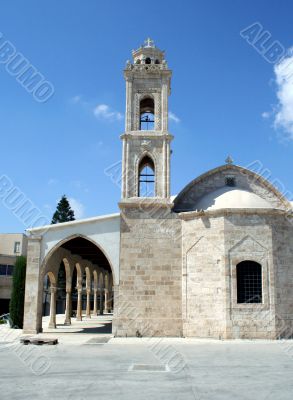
{"type": "Point", "coordinates": [148, 300]}
{"type": "Point", "coordinates": [283, 260]}
{"type": "Point", "coordinates": [249, 237]}
{"type": "Point", "coordinates": [203, 282]}
{"type": "Point", "coordinates": [212, 247]}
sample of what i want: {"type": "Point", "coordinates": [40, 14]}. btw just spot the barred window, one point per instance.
{"type": "Point", "coordinates": [249, 282]}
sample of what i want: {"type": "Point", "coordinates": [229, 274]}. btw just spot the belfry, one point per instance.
{"type": "Point", "coordinates": [146, 141]}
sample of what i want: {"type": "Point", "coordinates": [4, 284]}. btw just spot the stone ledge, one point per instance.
{"type": "Point", "coordinates": [187, 215]}
{"type": "Point", "coordinates": [145, 202]}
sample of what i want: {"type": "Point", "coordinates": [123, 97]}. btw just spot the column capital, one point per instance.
{"type": "Point", "coordinates": [53, 289]}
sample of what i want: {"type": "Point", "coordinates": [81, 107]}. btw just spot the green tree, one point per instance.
{"type": "Point", "coordinates": [16, 306]}
{"type": "Point", "coordinates": [63, 212]}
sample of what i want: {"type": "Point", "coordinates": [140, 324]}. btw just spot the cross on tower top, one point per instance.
{"type": "Point", "coordinates": [149, 43]}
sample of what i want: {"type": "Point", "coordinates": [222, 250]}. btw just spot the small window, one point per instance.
{"type": "Point", "coordinates": [16, 247]}
{"type": "Point", "coordinates": [157, 62]}
{"type": "Point", "coordinates": [3, 268]}
{"type": "Point", "coordinates": [9, 270]}
{"type": "Point", "coordinates": [230, 181]}
{"type": "Point", "coordinates": [249, 282]}
{"type": "Point", "coordinates": [146, 184]}
{"type": "Point", "coordinates": [6, 270]}
{"type": "Point", "coordinates": [148, 60]}
{"type": "Point", "coordinates": [137, 61]}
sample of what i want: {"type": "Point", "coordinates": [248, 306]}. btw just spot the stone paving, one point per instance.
{"type": "Point", "coordinates": [90, 365]}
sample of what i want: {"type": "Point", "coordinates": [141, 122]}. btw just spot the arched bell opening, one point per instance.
{"type": "Point", "coordinates": [147, 114]}
{"type": "Point", "coordinates": [146, 178]}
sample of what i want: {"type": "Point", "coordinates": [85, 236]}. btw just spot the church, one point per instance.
{"type": "Point", "coordinates": [215, 261]}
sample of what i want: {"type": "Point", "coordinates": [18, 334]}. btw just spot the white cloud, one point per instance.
{"type": "Point", "coordinates": [173, 117]}
{"type": "Point", "coordinates": [103, 111]}
{"type": "Point", "coordinates": [266, 114]}
{"type": "Point", "coordinates": [77, 207]}
{"type": "Point", "coordinates": [284, 80]}
{"type": "Point", "coordinates": [75, 99]}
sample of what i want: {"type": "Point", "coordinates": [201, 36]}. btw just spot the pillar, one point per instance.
{"type": "Point", "coordinates": [95, 311]}
{"type": "Point", "coordinates": [32, 322]}
{"type": "Point", "coordinates": [101, 301]}
{"type": "Point", "coordinates": [110, 301]}
{"type": "Point", "coordinates": [52, 322]}
{"type": "Point", "coordinates": [106, 301]}
{"type": "Point", "coordinates": [79, 304]}
{"type": "Point", "coordinates": [68, 308]}
{"type": "Point", "coordinates": [88, 303]}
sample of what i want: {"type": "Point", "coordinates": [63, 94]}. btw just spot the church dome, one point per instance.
{"type": "Point", "coordinates": [229, 186]}
{"type": "Point", "coordinates": [226, 197]}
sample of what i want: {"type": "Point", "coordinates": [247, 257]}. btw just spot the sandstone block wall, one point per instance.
{"type": "Point", "coordinates": [149, 298]}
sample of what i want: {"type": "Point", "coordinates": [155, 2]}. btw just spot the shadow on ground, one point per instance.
{"type": "Point", "coordinates": [105, 328]}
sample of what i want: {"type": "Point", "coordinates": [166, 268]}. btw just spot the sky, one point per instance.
{"type": "Point", "coordinates": [230, 95]}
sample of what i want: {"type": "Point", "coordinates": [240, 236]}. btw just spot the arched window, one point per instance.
{"type": "Point", "coordinates": [148, 60]}
{"type": "Point", "coordinates": [137, 61]}
{"type": "Point", "coordinates": [146, 184]}
{"type": "Point", "coordinates": [157, 62]}
{"type": "Point", "coordinates": [249, 282]}
{"type": "Point", "coordinates": [146, 114]}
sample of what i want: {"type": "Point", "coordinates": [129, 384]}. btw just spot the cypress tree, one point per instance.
{"type": "Point", "coordinates": [16, 306]}
{"type": "Point", "coordinates": [63, 212]}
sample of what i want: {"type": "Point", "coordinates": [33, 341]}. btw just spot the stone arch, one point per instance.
{"type": "Point", "coordinates": [88, 277]}
{"type": "Point", "coordinates": [95, 276]}
{"type": "Point", "coordinates": [146, 112]}
{"type": "Point", "coordinates": [68, 271]}
{"type": "Point", "coordinates": [80, 255]}
{"type": "Point", "coordinates": [67, 239]}
{"type": "Point", "coordinates": [145, 155]}
{"type": "Point", "coordinates": [52, 278]}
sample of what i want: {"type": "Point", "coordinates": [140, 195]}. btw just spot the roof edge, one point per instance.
{"type": "Point", "coordinates": [71, 223]}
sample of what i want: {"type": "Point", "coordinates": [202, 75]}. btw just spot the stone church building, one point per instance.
{"type": "Point", "coordinates": [214, 261]}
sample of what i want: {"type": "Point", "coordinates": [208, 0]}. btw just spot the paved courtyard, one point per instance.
{"type": "Point", "coordinates": [88, 363]}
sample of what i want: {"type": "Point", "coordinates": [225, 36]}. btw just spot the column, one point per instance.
{"type": "Point", "coordinates": [164, 106]}
{"type": "Point", "coordinates": [106, 301]}
{"type": "Point", "coordinates": [101, 301]}
{"type": "Point", "coordinates": [68, 308]}
{"type": "Point", "coordinates": [109, 306]}
{"type": "Point", "coordinates": [88, 303]}
{"type": "Point", "coordinates": [79, 304]}
{"type": "Point", "coordinates": [128, 105]}
{"type": "Point", "coordinates": [95, 311]}
{"type": "Point", "coordinates": [52, 322]}
{"type": "Point", "coordinates": [32, 319]}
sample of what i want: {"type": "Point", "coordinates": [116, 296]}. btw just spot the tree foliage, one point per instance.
{"type": "Point", "coordinates": [16, 306]}
{"type": "Point", "coordinates": [63, 212]}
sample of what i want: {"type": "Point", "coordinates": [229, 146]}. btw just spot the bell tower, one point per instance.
{"type": "Point", "coordinates": [146, 141]}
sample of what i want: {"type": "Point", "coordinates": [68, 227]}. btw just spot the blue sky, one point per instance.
{"type": "Point", "coordinates": [228, 99]}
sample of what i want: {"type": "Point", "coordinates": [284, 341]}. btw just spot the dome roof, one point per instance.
{"type": "Point", "coordinates": [229, 186]}
{"type": "Point", "coordinates": [227, 197]}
